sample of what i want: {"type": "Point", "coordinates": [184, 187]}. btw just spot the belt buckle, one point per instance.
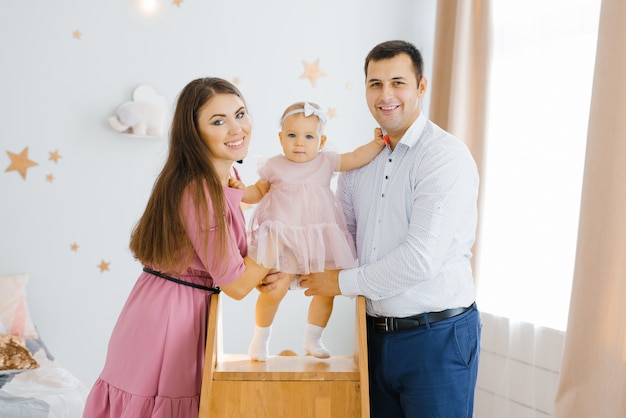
{"type": "Point", "coordinates": [388, 326]}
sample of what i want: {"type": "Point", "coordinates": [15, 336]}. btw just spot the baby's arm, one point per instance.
{"type": "Point", "coordinates": [363, 154]}
{"type": "Point", "coordinates": [252, 194]}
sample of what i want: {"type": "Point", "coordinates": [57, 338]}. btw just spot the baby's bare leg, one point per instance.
{"type": "Point", "coordinates": [268, 302]}
{"type": "Point", "coordinates": [266, 308]}
{"type": "Point", "coordinates": [320, 309]}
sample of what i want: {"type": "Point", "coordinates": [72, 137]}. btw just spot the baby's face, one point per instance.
{"type": "Point", "coordinates": [301, 137]}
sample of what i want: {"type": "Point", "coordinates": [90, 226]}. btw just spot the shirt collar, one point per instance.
{"type": "Point", "coordinates": [412, 135]}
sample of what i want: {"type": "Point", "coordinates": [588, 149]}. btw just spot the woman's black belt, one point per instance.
{"type": "Point", "coordinates": [184, 283]}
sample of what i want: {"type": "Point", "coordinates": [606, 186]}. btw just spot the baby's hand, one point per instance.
{"type": "Point", "coordinates": [236, 184]}
{"type": "Point", "coordinates": [380, 137]}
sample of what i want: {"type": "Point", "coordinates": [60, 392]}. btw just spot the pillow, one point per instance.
{"type": "Point", "coordinates": [14, 315]}
{"type": "Point", "coordinates": [14, 356]}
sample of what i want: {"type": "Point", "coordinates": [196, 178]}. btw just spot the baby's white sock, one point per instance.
{"type": "Point", "coordinates": [260, 344]}
{"type": "Point", "coordinates": [313, 341]}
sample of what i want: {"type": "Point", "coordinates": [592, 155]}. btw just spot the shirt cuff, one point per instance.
{"type": "Point", "coordinates": [349, 283]}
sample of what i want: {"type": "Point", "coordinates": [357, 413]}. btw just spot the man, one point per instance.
{"type": "Point", "coordinates": [413, 214]}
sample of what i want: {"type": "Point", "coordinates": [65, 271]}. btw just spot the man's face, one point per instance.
{"type": "Point", "coordinates": [393, 94]}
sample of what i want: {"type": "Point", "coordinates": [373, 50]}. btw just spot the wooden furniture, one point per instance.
{"type": "Point", "coordinates": [284, 386]}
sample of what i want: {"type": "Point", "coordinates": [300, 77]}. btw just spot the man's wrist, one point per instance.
{"type": "Point", "coordinates": [347, 282]}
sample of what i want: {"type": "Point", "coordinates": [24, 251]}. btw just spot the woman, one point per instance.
{"type": "Point", "coordinates": [191, 240]}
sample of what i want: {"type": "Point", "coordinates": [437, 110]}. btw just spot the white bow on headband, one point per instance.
{"type": "Point", "coordinates": [308, 110]}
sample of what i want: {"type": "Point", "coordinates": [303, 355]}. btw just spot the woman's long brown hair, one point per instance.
{"type": "Point", "coordinates": [159, 239]}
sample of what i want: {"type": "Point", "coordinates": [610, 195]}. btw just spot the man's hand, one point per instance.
{"type": "Point", "coordinates": [322, 284]}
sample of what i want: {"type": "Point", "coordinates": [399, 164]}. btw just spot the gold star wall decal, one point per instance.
{"type": "Point", "coordinates": [312, 71]}
{"type": "Point", "coordinates": [20, 162]}
{"type": "Point", "coordinates": [50, 178]}
{"type": "Point", "coordinates": [74, 247]}
{"type": "Point", "coordinates": [331, 113]}
{"type": "Point", "coordinates": [76, 34]}
{"type": "Point", "coordinates": [54, 156]}
{"type": "Point", "coordinates": [104, 266]}
{"type": "Point", "coordinates": [177, 3]}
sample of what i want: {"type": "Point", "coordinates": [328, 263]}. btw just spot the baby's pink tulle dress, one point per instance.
{"type": "Point", "coordinates": [298, 226]}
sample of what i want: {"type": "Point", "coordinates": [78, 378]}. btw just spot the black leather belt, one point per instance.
{"type": "Point", "coordinates": [390, 324]}
{"type": "Point", "coordinates": [184, 283]}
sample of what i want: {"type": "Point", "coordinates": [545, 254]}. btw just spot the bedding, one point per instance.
{"type": "Point", "coordinates": [37, 386]}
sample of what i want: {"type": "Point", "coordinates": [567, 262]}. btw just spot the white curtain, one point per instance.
{"type": "Point", "coordinates": [531, 182]}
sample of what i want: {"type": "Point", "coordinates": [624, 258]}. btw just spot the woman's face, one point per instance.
{"type": "Point", "coordinates": [225, 125]}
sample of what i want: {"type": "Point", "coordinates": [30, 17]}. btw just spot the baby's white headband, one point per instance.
{"type": "Point", "coordinates": [308, 110]}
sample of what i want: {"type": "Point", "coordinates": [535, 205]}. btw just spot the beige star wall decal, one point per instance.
{"type": "Point", "coordinates": [331, 113]}
{"type": "Point", "coordinates": [74, 247]}
{"type": "Point", "coordinates": [312, 71]}
{"type": "Point", "coordinates": [54, 156]}
{"type": "Point", "coordinates": [236, 81]}
{"type": "Point", "coordinates": [76, 34]}
{"type": "Point", "coordinates": [20, 162]}
{"type": "Point", "coordinates": [50, 178]}
{"type": "Point", "coordinates": [349, 85]}
{"type": "Point", "coordinates": [177, 3]}
{"type": "Point", "coordinates": [104, 266]}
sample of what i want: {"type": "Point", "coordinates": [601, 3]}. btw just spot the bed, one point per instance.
{"type": "Point", "coordinates": [32, 383]}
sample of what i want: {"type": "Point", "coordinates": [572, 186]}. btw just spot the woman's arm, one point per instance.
{"type": "Point", "coordinates": [250, 279]}
{"type": "Point", "coordinates": [253, 276]}
{"type": "Point", "coordinates": [363, 154]}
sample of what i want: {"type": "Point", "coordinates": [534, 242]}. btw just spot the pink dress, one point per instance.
{"type": "Point", "coordinates": [155, 357]}
{"type": "Point", "coordinates": [298, 226]}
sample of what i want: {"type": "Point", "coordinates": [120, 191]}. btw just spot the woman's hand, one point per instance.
{"type": "Point", "coordinates": [269, 282]}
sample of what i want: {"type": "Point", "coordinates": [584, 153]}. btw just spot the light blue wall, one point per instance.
{"type": "Point", "coordinates": [56, 93]}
